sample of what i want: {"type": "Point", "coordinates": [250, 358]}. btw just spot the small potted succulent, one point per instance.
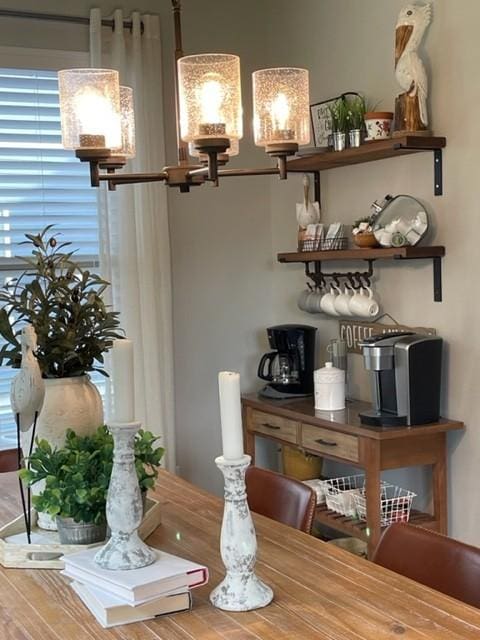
{"type": "Point", "coordinates": [77, 478]}
{"type": "Point", "coordinates": [356, 114]}
{"type": "Point", "coordinates": [339, 119]}
{"type": "Point", "coordinates": [362, 231]}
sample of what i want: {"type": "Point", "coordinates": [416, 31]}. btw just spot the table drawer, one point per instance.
{"type": "Point", "coordinates": [330, 442]}
{"type": "Point", "coordinates": [274, 426]}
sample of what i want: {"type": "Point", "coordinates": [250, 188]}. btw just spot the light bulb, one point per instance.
{"type": "Point", "coordinates": [280, 112]}
{"type": "Point", "coordinates": [211, 98]}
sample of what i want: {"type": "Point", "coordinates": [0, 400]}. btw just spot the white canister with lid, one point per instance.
{"type": "Point", "coordinates": [329, 383]}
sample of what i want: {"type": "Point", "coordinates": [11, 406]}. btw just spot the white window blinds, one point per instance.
{"type": "Point", "coordinates": [40, 184]}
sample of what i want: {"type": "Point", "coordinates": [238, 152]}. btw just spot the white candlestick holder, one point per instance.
{"type": "Point", "coordinates": [241, 589]}
{"type": "Point", "coordinates": [124, 550]}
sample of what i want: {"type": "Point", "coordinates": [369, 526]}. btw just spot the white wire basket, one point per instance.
{"type": "Point", "coordinates": [395, 504]}
{"type": "Point", "coordinates": [339, 493]}
{"type": "Point", "coordinates": [319, 487]}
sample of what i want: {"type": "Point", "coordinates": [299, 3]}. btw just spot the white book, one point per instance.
{"type": "Point", "coordinates": [111, 611]}
{"type": "Point", "coordinates": [136, 586]}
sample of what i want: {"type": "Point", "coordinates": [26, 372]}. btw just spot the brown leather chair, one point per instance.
{"type": "Point", "coordinates": [432, 559]}
{"type": "Point", "coordinates": [8, 460]}
{"type": "Point", "coordinates": [281, 498]}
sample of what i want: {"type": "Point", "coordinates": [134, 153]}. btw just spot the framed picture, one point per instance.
{"type": "Point", "coordinates": [321, 121]}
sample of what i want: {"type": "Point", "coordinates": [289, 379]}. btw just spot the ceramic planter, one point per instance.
{"type": "Point", "coordinates": [378, 125]}
{"type": "Point", "coordinates": [71, 532]}
{"type": "Point", "coordinates": [70, 403]}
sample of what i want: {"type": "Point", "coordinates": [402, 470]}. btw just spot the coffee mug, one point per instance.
{"type": "Point", "coordinates": [363, 304]}
{"type": "Point", "coordinates": [302, 299]}
{"type": "Point", "coordinates": [314, 301]}
{"type": "Point", "coordinates": [342, 302]}
{"type": "Point", "coordinates": [327, 303]}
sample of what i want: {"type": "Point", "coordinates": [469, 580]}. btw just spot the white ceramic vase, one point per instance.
{"type": "Point", "coordinates": [70, 403]}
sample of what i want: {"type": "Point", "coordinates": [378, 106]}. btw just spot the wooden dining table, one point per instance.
{"type": "Point", "coordinates": [321, 591]}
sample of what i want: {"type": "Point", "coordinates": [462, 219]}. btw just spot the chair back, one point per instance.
{"type": "Point", "coordinates": [432, 559]}
{"type": "Point", "coordinates": [281, 498]}
{"type": "Point", "coordinates": [8, 460]}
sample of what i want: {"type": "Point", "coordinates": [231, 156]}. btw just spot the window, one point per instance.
{"type": "Point", "coordinates": [40, 184]}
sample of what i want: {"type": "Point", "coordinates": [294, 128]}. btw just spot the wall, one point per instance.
{"type": "Point", "coordinates": [348, 45]}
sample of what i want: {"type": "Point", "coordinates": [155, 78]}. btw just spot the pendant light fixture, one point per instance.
{"type": "Point", "coordinates": [98, 120]}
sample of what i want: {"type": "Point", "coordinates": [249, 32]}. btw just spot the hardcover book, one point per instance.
{"type": "Point", "coordinates": [110, 611]}
{"type": "Point", "coordinates": [136, 586]}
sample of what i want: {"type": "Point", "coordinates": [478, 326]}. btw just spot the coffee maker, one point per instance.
{"type": "Point", "coordinates": [406, 376]}
{"type": "Point", "coordinates": [289, 368]}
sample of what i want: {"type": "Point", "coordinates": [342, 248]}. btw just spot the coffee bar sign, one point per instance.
{"type": "Point", "coordinates": [354, 332]}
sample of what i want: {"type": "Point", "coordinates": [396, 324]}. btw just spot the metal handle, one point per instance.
{"type": "Point", "coordinates": [270, 426]}
{"type": "Point", "coordinates": [327, 443]}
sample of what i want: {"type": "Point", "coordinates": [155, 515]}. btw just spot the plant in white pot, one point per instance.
{"type": "Point", "coordinates": [74, 328]}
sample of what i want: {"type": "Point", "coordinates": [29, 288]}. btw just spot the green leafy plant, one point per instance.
{"type": "Point", "coordinates": [339, 115]}
{"type": "Point", "coordinates": [64, 304]}
{"type": "Point", "coordinates": [77, 476]}
{"type": "Point", "coordinates": [355, 112]}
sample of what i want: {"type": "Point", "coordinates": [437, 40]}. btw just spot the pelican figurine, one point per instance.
{"type": "Point", "coordinates": [412, 23]}
{"type": "Point", "coordinates": [28, 388]}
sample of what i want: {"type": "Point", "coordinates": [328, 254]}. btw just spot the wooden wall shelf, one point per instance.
{"type": "Point", "coordinates": [434, 253]}
{"type": "Point", "coordinates": [375, 150]}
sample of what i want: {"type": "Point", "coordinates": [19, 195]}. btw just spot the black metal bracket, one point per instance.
{"type": "Point", "coordinates": [437, 166]}
{"type": "Point", "coordinates": [437, 275]}
{"type": "Point", "coordinates": [355, 279]}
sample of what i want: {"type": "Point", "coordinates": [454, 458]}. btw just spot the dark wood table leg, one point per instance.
{"type": "Point", "coordinates": [370, 457]}
{"type": "Point", "coordinates": [439, 484]}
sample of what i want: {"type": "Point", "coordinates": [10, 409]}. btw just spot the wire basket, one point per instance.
{"type": "Point", "coordinates": [339, 493]}
{"type": "Point", "coordinates": [324, 244]}
{"type": "Point", "coordinates": [395, 504]}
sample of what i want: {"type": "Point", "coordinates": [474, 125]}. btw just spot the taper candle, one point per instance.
{"type": "Point", "coordinates": [123, 381]}
{"type": "Point", "coordinates": [230, 414]}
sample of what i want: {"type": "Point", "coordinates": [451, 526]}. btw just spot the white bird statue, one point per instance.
{"type": "Point", "coordinates": [412, 23]}
{"type": "Point", "coordinates": [27, 390]}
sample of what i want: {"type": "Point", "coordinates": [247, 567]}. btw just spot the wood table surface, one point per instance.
{"type": "Point", "coordinates": [321, 591]}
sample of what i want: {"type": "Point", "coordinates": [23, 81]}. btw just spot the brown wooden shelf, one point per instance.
{"type": "Point", "coordinates": [398, 253]}
{"type": "Point", "coordinates": [358, 528]}
{"type": "Point", "coordinates": [367, 152]}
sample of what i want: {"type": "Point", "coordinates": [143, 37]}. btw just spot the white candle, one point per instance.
{"type": "Point", "coordinates": [230, 414]}
{"type": "Point", "coordinates": [122, 381]}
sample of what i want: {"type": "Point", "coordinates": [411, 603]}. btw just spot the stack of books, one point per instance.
{"type": "Point", "coordinates": [121, 597]}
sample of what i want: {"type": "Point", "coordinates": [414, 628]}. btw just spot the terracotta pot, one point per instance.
{"type": "Point", "coordinates": [365, 240]}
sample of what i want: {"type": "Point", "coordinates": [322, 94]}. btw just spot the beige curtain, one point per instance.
{"type": "Point", "coordinates": [134, 235]}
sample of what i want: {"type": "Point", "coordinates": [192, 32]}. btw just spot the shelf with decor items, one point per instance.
{"type": "Point", "coordinates": [434, 253]}
{"type": "Point", "coordinates": [340, 436]}
{"type": "Point", "coordinates": [369, 151]}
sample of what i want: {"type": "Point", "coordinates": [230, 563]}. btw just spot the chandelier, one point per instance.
{"type": "Point", "coordinates": [97, 118]}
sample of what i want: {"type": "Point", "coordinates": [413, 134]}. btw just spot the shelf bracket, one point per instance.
{"type": "Point", "coordinates": [437, 275]}
{"type": "Point", "coordinates": [356, 279]}
{"type": "Point", "coordinates": [437, 166]}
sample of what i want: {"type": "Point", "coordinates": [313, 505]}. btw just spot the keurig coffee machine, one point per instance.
{"type": "Point", "coordinates": [406, 376]}
{"type": "Point", "coordinates": [289, 368]}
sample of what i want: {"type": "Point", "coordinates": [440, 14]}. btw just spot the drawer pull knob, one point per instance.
{"type": "Point", "coordinates": [327, 443]}
{"type": "Point", "coordinates": [270, 426]}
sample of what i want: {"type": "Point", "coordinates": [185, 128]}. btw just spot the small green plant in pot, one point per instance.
{"type": "Point", "coordinates": [339, 119]}
{"type": "Point", "coordinates": [77, 477]}
{"type": "Point", "coordinates": [356, 125]}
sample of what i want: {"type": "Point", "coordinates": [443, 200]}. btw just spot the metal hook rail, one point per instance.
{"type": "Point", "coordinates": [355, 279]}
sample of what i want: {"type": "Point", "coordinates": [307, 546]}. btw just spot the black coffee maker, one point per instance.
{"type": "Point", "coordinates": [288, 369]}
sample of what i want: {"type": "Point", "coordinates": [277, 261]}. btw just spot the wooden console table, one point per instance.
{"type": "Point", "coordinates": [340, 436]}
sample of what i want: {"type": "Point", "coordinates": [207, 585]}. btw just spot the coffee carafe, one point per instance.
{"type": "Point", "coordinates": [289, 368]}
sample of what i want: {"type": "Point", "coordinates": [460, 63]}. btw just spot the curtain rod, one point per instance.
{"type": "Point", "coordinates": [10, 13]}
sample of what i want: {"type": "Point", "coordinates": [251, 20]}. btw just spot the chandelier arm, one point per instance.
{"type": "Point", "coordinates": [227, 173]}
{"type": "Point", "coordinates": [182, 146]}
{"type": "Point", "coordinates": [131, 178]}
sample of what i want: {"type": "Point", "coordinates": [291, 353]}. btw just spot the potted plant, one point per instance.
{"type": "Point", "coordinates": [74, 329]}
{"type": "Point", "coordinates": [339, 118]}
{"type": "Point", "coordinates": [77, 477]}
{"type": "Point", "coordinates": [362, 231]}
{"type": "Point", "coordinates": [356, 114]}
{"type": "Point", "coordinates": [378, 124]}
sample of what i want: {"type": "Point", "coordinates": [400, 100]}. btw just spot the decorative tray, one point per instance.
{"type": "Point", "coordinates": [46, 552]}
